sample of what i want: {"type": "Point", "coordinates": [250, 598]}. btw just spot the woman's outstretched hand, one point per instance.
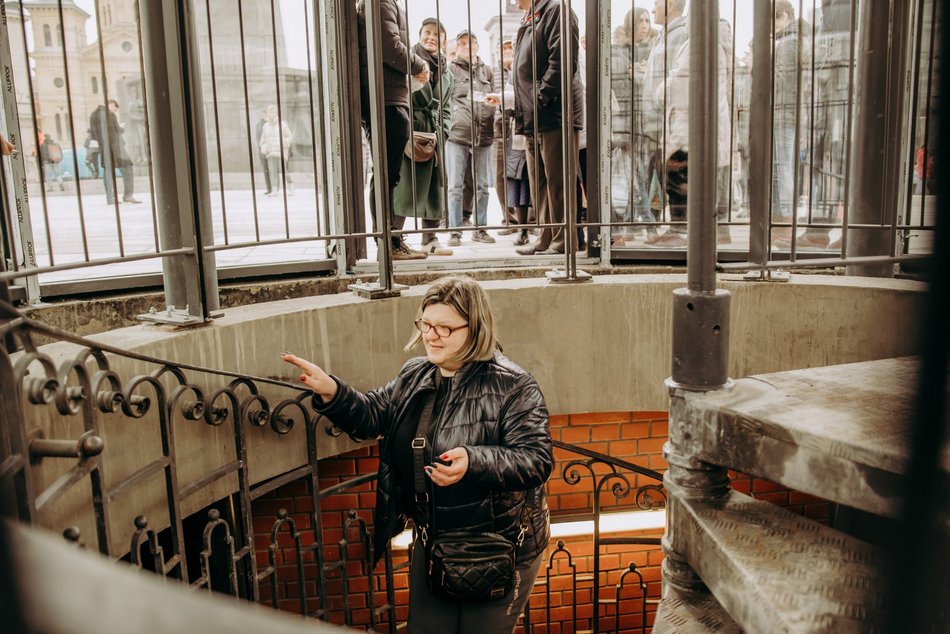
{"type": "Point", "coordinates": [313, 375]}
{"type": "Point", "coordinates": [443, 475]}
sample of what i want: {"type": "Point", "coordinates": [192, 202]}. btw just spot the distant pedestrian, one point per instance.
{"type": "Point", "coordinates": [52, 155]}
{"type": "Point", "coordinates": [108, 133]}
{"type": "Point", "coordinates": [275, 141]}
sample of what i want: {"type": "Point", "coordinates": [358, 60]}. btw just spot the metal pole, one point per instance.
{"type": "Point", "coordinates": [760, 133]}
{"type": "Point", "coordinates": [882, 33]}
{"type": "Point", "coordinates": [374, 45]}
{"type": "Point", "coordinates": [569, 35]}
{"type": "Point", "coordinates": [20, 194]}
{"type": "Point", "coordinates": [703, 136]}
{"type": "Point", "coordinates": [182, 191]}
{"type": "Point", "coordinates": [598, 118]}
{"type": "Point", "coordinates": [700, 311]}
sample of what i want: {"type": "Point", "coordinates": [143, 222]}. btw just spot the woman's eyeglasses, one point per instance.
{"type": "Point", "coordinates": [441, 331]}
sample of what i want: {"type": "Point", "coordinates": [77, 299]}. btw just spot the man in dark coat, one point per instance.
{"type": "Point", "coordinates": [538, 114]}
{"type": "Point", "coordinates": [105, 129]}
{"type": "Point", "coordinates": [399, 64]}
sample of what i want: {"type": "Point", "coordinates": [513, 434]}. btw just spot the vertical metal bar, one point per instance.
{"type": "Point", "coordinates": [909, 139]}
{"type": "Point", "coordinates": [36, 140]}
{"type": "Point", "coordinates": [280, 121]}
{"type": "Point", "coordinates": [760, 135]}
{"type": "Point", "coordinates": [703, 137]}
{"type": "Point", "coordinates": [882, 34]}
{"type": "Point", "coordinates": [598, 120]}
{"type": "Point", "coordinates": [217, 121]}
{"type": "Point", "coordinates": [106, 142]}
{"type": "Point", "coordinates": [252, 143]}
{"type": "Point", "coordinates": [316, 119]}
{"type": "Point", "coordinates": [182, 192]}
{"type": "Point", "coordinates": [148, 143]}
{"type": "Point", "coordinates": [849, 127]}
{"type": "Point", "coordinates": [380, 169]}
{"type": "Point", "coordinates": [72, 134]}
{"type": "Point", "coordinates": [929, 108]}
{"type": "Point", "coordinates": [412, 126]}
{"type": "Point", "coordinates": [343, 146]}
{"type": "Point", "coordinates": [569, 145]}
{"type": "Point", "coordinates": [811, 114]}
{"type": "Point", "coordinates": [18, 190]}
{"type": "Point", "coordinates": [796, 179]}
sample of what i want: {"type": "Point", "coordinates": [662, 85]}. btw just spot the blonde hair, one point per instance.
{"type": "Point", "coordinates": [464, 295]}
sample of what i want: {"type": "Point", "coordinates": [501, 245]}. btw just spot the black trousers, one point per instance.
{"type": "Point", "coordinates": [398, 130]}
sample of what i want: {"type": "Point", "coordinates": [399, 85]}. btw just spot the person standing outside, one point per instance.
{"type": "Point", "coordinates": [786, 93]}
{"type": "Point", "coordinates": [399, 64]}
{"type": "Point", "coordinates": [536, 79]}
{"type": "Point", "coordinates": [108, 133]}
{"type": "Point", "coordinates": [52, 154]}
{"type": "Point", "coordinates": [672, 97]}
{"type": "Point", "coordinates": [421, 191]}
{"type": "Point", "coordinates": [471, 134]}
{"type": "Point", "coordinates": [276, 139]}
{"type": "Point", "coordinates": [503, 133]}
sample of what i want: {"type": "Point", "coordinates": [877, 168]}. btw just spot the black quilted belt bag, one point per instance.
{"type": "Point", "coordinates": [470, 566]}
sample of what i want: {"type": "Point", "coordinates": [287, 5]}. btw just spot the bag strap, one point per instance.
{"type": "Point", "coordinates": [420, 449]}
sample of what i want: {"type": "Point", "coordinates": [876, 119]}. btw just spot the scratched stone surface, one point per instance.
{"type": "Point", "coordinates": [692, 614]}
{"type": "Point", "coordinates": [838, 432]}
{"type": "Point", "coordinates": [775, 571]}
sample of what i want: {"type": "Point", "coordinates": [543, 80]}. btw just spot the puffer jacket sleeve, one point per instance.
{"type": "Point", "coordinates": [363, 415]}
{"type": "Point", "coordinates": [523, 458]}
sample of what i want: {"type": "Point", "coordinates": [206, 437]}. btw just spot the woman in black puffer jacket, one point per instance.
{"type": "Point", "coordinates": [491, 450]}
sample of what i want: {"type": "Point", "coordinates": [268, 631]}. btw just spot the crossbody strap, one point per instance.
{"type": "Point", "coordinates": [420, 451]}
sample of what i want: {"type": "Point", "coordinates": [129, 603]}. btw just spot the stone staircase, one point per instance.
{"type": "Point", "coordinates": [739, 564]}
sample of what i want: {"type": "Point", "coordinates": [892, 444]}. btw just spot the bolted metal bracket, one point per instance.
{"type": "Point", "coordinates": [172, 316]}
{"type": "Point", "coordinates": [765, 275]}
{"type": "Point", "coordinates": [557, 276]}
{"type": "Point", "coordinates": [372, 290]}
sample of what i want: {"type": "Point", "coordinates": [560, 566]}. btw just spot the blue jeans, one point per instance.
{"type": "Point", "coordinates": [456, 158]}
{"type": "Point", "coordinates": [783, 174]}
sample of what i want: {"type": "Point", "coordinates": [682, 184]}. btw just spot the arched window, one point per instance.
{"type": "Point", "coordinates": [95, 86]}
{"type": "Point", "coordinates": [59, 35]}
{"type": "Point", "coordinates": [59, 126]}
{"type": "Point", "coordinates": [47, 36]}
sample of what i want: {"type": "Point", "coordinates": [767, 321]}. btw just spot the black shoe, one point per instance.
{"type": "Point", "coordinates": [522, 239]}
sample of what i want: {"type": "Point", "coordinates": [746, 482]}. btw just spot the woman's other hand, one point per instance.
{"type": "Point", "coordinates": [444, 475]}
{"type": "Point", "coordinates": [316, 379]}
{"type": "Point", "coordinates": [6, 148]}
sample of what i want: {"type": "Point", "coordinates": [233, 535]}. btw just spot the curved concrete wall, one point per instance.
{"type": "Point", "coordinates": [598, 346]}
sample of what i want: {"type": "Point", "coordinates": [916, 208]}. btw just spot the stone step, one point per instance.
{"type": "Point", "coordinates": [837, 432]}
{"type": "Point", "coordinates": [692, 613]}
{"type": "Point", "coordinates": [775, 571]}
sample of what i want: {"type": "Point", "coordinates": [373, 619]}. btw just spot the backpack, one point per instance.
{"type": "Point", "coordinates": [55, 153]}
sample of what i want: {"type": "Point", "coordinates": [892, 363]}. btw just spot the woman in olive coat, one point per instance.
{"type": "Point", "coordinates": [422, 194]}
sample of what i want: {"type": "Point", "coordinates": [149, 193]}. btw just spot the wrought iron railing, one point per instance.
{"type": "Point", "coordinates": [69, 415]}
